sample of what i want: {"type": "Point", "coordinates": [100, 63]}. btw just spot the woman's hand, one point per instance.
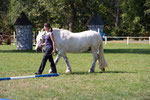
{"type": "Point", "coordinates": [54, 51]}
{"type": "Point", "coordinates": [42, 45]}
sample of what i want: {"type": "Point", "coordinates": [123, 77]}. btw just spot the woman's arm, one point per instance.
{"type": "Point", "coordinates": [53, 41]}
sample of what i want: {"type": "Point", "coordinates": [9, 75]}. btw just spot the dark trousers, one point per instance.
{"type": "Point", "coordinates": [47, 55]}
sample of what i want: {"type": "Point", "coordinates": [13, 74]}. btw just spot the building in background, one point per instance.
{"type": "Point", "coordinates": [96, 23]}
{"type": "Point", "coordinates": [23, 33]}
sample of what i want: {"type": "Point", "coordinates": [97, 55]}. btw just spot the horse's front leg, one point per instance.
{"type": "Point", "coordinates": [55, 61]}
{"type": "Point", "coordinates": [67, 63]}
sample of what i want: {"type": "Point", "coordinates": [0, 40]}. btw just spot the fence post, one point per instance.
{"type": "Point", "coordinates": [105, 40]}
{"type": "Point", "coordinates": [98, 31]}
{"type": "Point", "coordinates": [14, 38]}
{"type": "Point", "coordinates": [128, 40]}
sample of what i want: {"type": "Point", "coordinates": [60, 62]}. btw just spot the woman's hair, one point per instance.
{"type": "Point", "coordinates": [48, 26]}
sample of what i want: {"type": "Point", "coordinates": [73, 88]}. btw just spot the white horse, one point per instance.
{"type": "Point", "coordinates": [68, 42]}
{"type": "Point", "coordinates": [39, 40]}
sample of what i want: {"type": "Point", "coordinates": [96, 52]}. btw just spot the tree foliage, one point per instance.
{"type": "Point", "coordinates": [121, 17]}
{"type": "Point", "coordinates": [133, 17]}
{"type": "Point", "coordinates": [4, 20]}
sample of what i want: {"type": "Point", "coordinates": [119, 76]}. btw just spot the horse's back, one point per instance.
{"type": "Point", "coordinates": [76, 42]}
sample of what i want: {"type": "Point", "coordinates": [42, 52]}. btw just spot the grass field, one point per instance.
{"type": "Point", "coordinates": [126, 78]}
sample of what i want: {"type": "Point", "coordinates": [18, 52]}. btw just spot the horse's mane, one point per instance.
{"type": "Point", "coordinates": [60, 29]}
{"type": "Point", "coordinates": [57, 29]}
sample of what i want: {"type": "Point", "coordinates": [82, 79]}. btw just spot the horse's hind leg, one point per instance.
{"type": "Point", "coordinates": [67, 63]}
{"type": "Point", "coordinates": [95, 58]}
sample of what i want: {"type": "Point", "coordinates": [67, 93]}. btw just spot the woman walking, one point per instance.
{"type": "Point", "coordinates": [50, 48]}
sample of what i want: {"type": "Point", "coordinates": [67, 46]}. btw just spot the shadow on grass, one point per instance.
{"type": "Point", "coordinates": [86, 73]}
{"type": "Point", "coordinates": [114, 51]}
{"type": "Point", "coordinates": [133, 51]}
{"type": "Point", "coordinates": [115, 72]}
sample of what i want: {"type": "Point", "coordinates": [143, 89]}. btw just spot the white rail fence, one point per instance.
{"type": "Point", "coordinates": [128, 40]}
{"type": "Point", "coordinates": [107, 39]}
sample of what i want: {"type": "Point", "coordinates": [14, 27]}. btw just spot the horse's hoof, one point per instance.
{"type": "Point", "coordinates": [68, 72]}
{"type": "Point", "coordinates": [91, 71]}
{"type": "Point", "coordinates": [103, 69]}
{"type": "Point", "coordinates": [50, 71]}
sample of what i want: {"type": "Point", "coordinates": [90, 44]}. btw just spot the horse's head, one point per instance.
{"type": "Point", "coordinates": [39, 40]}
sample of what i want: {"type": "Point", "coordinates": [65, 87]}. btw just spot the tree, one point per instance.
{"type": "Point", "coordinates": [133, 17]}
{"type": "Point", "coordinates": [4, 22]}
{"type": "Point", "coordinates": [147, 17]}
{"type": "Point", "coordinates": [130, 17]}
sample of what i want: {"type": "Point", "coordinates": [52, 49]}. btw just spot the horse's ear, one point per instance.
{"type": "Point", "coordinates": [42, 30]}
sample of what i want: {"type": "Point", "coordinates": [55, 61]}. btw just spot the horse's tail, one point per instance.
{"type": "Point", "coordinates": [101, 59]}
